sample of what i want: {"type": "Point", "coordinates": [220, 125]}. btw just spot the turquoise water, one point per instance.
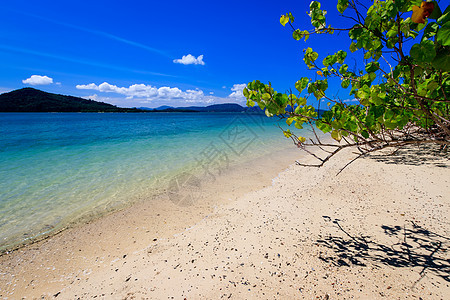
{"type": "Point", "coordinates": [60, 168]}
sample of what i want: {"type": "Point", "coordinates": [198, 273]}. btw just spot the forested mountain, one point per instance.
{"type": "Point", "coordinates": [33, 100]}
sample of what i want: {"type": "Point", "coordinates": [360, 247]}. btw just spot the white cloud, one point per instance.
{"type": "Point", "coordinates": [119, 101]}
{"type": "Point", "coordinates": [190, 60]}
{"type": "Point", "coordinates": [237, 91]}
{"type": "Point", "coordinates": [96, 97]}
{"type": "Point", "coordinates": [139, 94]}
{"type": "Point", "coordinates": [38, 80]}
{"type": "Point", "coordinates": [146, 91]}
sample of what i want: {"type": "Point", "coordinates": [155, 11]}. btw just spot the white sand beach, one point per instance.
{"type": "Point", "coordinates": [379, 230]}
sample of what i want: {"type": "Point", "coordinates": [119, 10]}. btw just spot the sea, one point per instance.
{"type": "Point", "coordinates": [60, 169]}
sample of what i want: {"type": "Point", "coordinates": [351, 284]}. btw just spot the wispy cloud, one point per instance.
{"type": "Point", "coordinates": [38, 80]}
{"type": "Point", "coordinates": [190, 60]}
{"type": "Point", "coordinates": [79, 61]}
{"type": "Point", "coordinates": [99, 33]}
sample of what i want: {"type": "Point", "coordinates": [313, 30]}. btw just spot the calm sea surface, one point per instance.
{"type": "Point", "coordinates": [60, 168]}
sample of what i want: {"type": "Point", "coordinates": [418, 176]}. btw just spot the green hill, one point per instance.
{"type": "Point", "coordinates": [33, 100]}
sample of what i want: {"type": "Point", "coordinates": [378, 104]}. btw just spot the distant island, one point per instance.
{"type": "Point", "coordinates": [226, 107]}
{"type": "Point", "coordinates": [33, 100]}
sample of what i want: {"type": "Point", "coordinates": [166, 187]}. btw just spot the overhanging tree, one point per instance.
{"type": "Point", "coordinates": [402, 96]}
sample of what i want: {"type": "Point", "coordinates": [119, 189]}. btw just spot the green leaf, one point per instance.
{"type": "Point", "coordinates": [329, 60]}
{"type": "Point", "coordinates": [314, 5]}
{"type": "Point", "coordinates": [322, 126]}
{"type": "Point", "coordinates": [391, 43]}
{"type": "Point", "coordinates": [341, 55]}
{"type": "Point", "coordinates": [432, 85]}
{"type": "Point", "coordinates": [343, 69]}
{"type": "Point", "coordinates": [342, 5]}
{"type": "Point", "coordinates": [245, 92]}
{"type": "Point", "coordinates": [262, 106]}
{"type": "Point", "coordinates": [423, 52]}
{"type": "Point", "coordinates": [301, 101]}
{"type": "Point", "coordinates": [389, 114]}
{"type": "Point", "coordinates": [287, 133]}
{"type": "Point", "coordinates": [301, 139]}
{"type": "Point", "coordinates": [443, 35]}
{"type": "Point", "coordinates": [298, 126]}
{"type": "Point", "coordinates": [266, 96]}
{"type": "Point", "coordinates": [355, 32]}
{"type": "Point", "coordinates": [306, 34]}
{"type": "Point", "coordinates": [284, 19]}
{"type": "Point", "coordinates": [372, 67]}
{"type": "Point", "coordinates": [345, 83]}
{"type": "Point", "coordinates": [392, 33]}
{"type": "Point", "coordinates": [297, 34]}
{"type": "Point", "coordinates": [301, 84]}
{"type": "Point", "coordinates": [292, 97]}
{"type": "Point", "coordinates": [291, 17]}
{"type": "Point", "coordinates": [363, 95]}
{"type": "Point", "coordinates": [377, 55]}
{"type": "Point", "coordinates": [336, 134]}
{"type": "Point", "coordinates": [442, 60]}
{"type": "Point", "coordinates": [353, 47]}
{"type": "Point", "coordinates": [391, 124]}
{"type": "Point", "coordinates": [309, 57]}
{"type": "Point", "coordinates": [289, 121]}
{"type": "Point", "coordinates": [376, 99]}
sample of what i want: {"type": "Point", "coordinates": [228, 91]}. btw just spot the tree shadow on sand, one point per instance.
{"type": "Point", "coordinates": [412, 247]}
{"type": "Point", "coordinates": [416, 155]}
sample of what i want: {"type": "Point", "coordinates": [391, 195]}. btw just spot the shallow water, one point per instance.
{"type": "Point", "coordinates": [59, 168]}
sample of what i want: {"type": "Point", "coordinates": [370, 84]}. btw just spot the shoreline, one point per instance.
{"type": "Point", "coordinates": [155, 217]}
{"type": "Point", "coordinates": [159, 191]}
{"type": "Point", "coordinates": [83, 182]}
{"type": "Point", "coordinates": [306, 233]}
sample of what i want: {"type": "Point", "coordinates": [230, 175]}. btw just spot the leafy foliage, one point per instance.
{"type": "Point", "coordinates": [402, 98]}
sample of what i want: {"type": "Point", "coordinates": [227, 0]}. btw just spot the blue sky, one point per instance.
{"type": "Point", "coordinates": [130, 53]}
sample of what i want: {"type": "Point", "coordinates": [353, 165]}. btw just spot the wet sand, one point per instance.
{"type": "Point", "coordinates": [380, 229]}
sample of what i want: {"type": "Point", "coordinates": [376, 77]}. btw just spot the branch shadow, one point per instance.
{"type": "Point", "coordinates": [416, 155]}
{"type": "Point", "coordinates": [414, 246]}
